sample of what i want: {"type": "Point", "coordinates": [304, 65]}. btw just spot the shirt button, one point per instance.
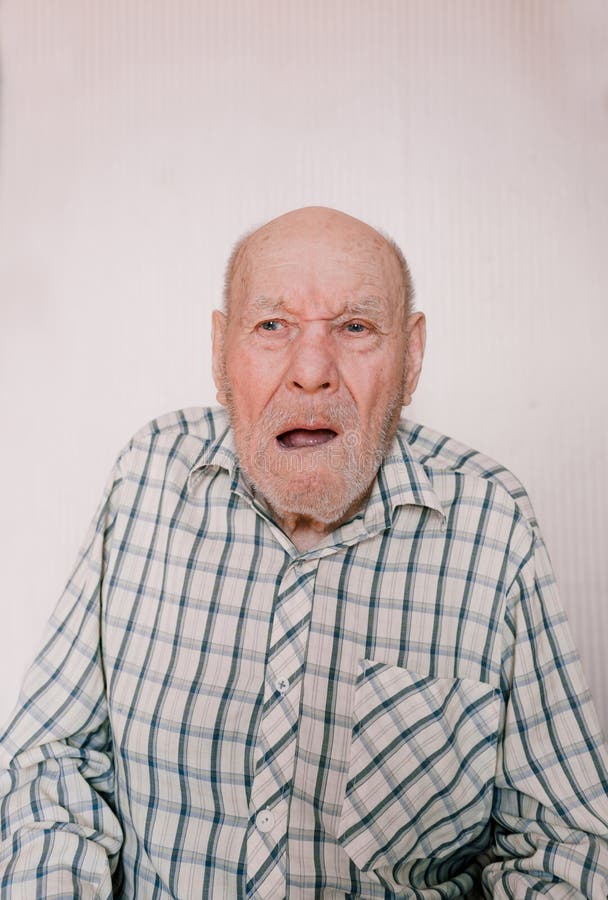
{"type": "Point", "coordinates": [264, 820]}
{"type": "Point", "coordinates": [281, 685]}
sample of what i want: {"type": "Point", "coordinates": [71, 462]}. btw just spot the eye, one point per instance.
{"type": "Point", "coordinates": [356, 328]}
{"type": "Point", "coordinates": [270, 325]}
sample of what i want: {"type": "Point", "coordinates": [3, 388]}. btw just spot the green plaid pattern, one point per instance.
{"type": "Point", "coordinates": [396, 713]}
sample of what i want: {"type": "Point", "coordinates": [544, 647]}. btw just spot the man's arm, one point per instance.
{"type": "Point", "coordinates": [551, 799]}
{"type": "Point", "coordinates": [59, 835]}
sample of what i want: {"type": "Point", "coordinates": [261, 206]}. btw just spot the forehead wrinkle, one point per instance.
{"type": "Point", "coordinates": [370, 293]}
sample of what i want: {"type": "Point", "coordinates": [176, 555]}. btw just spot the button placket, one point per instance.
{"type": "Point", "coordinates": [277, 734]}
{"type": "Point", "coordinates": [269, 827]}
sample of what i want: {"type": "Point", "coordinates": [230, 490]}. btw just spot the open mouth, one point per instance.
{"type": "Point", "coordinates": [305, 437]}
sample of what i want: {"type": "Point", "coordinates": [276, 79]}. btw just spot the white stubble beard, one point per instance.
{"type": "Point", "coordinates": [298, 487]}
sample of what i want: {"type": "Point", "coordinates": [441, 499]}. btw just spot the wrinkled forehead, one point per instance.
{"type": "Point", "coordinates": [340, 258]}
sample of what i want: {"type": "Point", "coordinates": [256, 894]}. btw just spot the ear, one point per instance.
{"type": "Point", "coordinates": [414, 353]}
{"type": "Point", "coordinates": [218, 333]}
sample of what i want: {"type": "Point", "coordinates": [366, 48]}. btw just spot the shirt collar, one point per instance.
{"type": "Point", "coordinates": [401, 480]}
{"type": "Point", "coordinates": [217, 453]}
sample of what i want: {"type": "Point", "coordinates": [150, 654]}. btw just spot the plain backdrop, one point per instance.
{"type": "Point", "coordinates": [139, 138]}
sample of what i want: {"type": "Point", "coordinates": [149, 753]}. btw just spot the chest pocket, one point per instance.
{"type": "Point", "coordinates": [422, 766]}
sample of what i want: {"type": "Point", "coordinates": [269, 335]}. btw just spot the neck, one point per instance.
{"type": "Point", "coordinates": [304, 532]}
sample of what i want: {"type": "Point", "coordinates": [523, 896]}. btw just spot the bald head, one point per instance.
{"type": "Point", "coordinates": [317, 225]}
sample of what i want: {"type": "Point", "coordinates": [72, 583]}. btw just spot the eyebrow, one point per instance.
{"type": "Point", "coordinates": [267, 305]}
{"type": "Point", "coordinates": [365, 306]}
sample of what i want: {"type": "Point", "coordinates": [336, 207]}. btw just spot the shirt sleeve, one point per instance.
{"type": "Point", "coordinates": [551, 796]}
{"type": "Point", "coordinates": [59, 834]}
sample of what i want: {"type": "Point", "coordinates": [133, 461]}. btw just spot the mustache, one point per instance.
{"type": "Point", "coordinates": [340, 415]}
{"type": "Point", "coordinates": [281, 415]}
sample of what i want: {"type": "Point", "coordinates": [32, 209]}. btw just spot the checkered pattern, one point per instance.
{"type": "Point", "coordinates": [396, 713]}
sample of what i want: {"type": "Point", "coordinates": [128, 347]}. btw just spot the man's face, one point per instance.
{"type": "Point", "coordinates": [311, 362]}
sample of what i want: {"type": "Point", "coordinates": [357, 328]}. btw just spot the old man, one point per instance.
{"type": "Point", "coordinates": [310, 650]}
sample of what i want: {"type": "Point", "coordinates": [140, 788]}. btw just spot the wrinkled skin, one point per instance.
{"type": "Point", "coordinates": [311, 363]}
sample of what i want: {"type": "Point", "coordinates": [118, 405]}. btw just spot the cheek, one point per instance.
{"type": "Point", "coordinates": [256, 373]}
{"type": "Point", "coordinates": [250, 387]}
{"type": "Point", "coordinates": [390, 378]}
{"type": "Point", "coordinates": [371, 386]}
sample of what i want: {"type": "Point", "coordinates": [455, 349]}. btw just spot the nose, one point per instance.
{"type": "Point", "coordinates": [313, 365]}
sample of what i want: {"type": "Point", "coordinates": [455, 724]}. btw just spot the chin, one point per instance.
{"type": "Point", "coordinates": [324, 500]}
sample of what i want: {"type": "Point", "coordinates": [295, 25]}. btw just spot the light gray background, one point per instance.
{"type": "Point", "coordinates": [138, 138]}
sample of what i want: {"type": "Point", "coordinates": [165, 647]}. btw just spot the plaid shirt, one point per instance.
{"type": "Point", "coordinates": [398, 712]}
